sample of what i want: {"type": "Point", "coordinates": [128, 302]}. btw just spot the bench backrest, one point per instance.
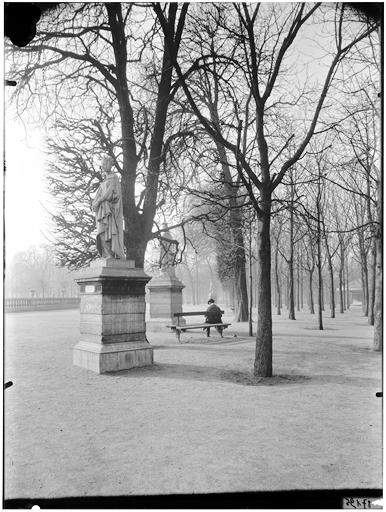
{"type": "Point", "coordinates": [192, 313]}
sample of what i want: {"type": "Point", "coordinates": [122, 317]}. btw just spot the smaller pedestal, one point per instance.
{"type": "Point", "coordinates": [112, 317]}
{"type": "Point", "coordinates": [165, 298]}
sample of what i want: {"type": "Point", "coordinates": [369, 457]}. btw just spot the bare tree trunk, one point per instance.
{"type": "Point", "coordinates": [241, 310]}
{"type": "Point", "coordinates": [378, 303]}
{"type": "Point", "coordinates": [341, 281]}
{"type": "Point", "coordinates": [263, 357]}
{"type": "Point", "coordinates": [301, 282]}
{"type": "Point", "coordinates": [347, 285]}
{"type": "Point", "coordinates": [287, 291]}
{"type": "Point", "coordinates": [250, 285]}
{"type": "Point", "coordinates": [278, 299]}
{"type": "Point", "coordinates": [291, 299]}
{"type": "Point", "coordinates": [332, 290]}
{"type": "Point", "coordinates": [366, 286]}
{"type": "Point", "coordinates": [319, 258]}
{"type": "Point", "coordinates": [363, 290]}
{"type": "Point", "coordinates": [320, 293]}
{"type": "Point", "coordinates": [372, 281]}
{"type": "Point", "coordinates": [273, 280]}
{"type": "Point", "coordinates": [312, 308]}
{"type": "Point", "coordinates": [298, 283]}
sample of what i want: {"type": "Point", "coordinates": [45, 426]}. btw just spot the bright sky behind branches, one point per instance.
{"type": "Point", "coordinates": [26, 196]}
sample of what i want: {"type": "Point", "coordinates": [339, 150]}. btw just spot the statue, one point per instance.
{"type": "Point", "coordinates": [107, 206]}
{"type": "Point", "coordinates": [167, 252]}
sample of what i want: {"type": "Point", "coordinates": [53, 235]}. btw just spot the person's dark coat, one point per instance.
{"type": "Point", "coordinates": [213, 315]}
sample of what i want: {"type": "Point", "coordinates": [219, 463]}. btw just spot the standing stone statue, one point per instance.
{"type": "Point", "coordinates": [107, 206]}
{"type": "Point", "coordinates": [167, 253]}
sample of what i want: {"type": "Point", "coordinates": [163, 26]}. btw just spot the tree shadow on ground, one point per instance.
{"type": "Point", "coordinates": [242, 377]}
{"type": "Point", "coordinates": [208, 373]}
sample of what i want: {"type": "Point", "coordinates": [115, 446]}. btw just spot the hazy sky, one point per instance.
{"type": "Point", "coordinates": [25, 187]}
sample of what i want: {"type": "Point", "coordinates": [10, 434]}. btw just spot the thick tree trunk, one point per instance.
{"type": "Point", "coordinates": [320, 287]}
{"type": "Point", "coordinates": [241, 311]}
{"type": "Point", "coordinates": [291, 301]}
{"type": "Point", "coordinates": [291, 298]}
{"type": "Point", "coordinates": [138, 227]}
{"type": "Point", "coordinates": [378, 303]}
{"type": "Point", "coordinates": [135, 243]}
{"type": "Point", "coordinates": [372, 281]}
{"type": "Point", "coordinates": [263, 357]}
{"type": "Point", "coordinates": [347, 285]}
{"type": "Point", "coordinates": [250, 320]}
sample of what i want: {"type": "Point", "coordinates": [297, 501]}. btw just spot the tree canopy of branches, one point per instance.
{"type": "Point", "coordinates": [247, 50]}
{"type": "Point", "coordinates": [101, 77]}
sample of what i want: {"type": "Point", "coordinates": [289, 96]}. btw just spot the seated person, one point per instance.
{"type": "Point", "coordinates": [213, 316]}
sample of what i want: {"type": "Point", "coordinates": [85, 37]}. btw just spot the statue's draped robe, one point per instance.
{"type": "Point", "coordinates": [109, 215]}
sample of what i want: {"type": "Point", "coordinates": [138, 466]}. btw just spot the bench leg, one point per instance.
{"type": "Point", "coordinates": [220, 329]}
{"type": "Point", "coordinates": [178, 334]}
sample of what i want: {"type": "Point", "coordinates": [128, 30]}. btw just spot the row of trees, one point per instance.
{"type": "Point", "coordinates": [210, 110]}
{"type": "Point", "coordinates": [35, 273]}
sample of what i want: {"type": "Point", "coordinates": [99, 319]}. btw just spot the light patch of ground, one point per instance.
{"type": "Point", "coordinates": [197, 421]}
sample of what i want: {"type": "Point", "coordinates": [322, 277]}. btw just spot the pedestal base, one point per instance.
{"type": "Point", "coordinates": [165, 299]}
{"type": "Point", "coordinates": [112, 357]}
{"type": "Point", "coordinates": [112, 317]}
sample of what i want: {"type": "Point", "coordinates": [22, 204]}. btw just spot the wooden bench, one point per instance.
{"type": "Point", "coordinates": [182, 328]}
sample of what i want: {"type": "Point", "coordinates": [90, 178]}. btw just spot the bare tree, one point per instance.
{"type": "Point", "coordinates": [101, 57]}
{"type": "Point", "coordinates": [258, 66]}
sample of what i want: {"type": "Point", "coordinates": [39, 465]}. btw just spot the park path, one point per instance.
{"type": "Point", "coordinates": [193, 422]}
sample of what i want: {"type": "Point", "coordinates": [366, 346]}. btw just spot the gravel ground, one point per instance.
{"type": "Point", "coordinates": [196, 421]}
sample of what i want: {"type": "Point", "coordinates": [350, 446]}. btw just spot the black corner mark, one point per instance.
{"type": "Point", "coordinates": [21, 18]}
{"type": "Point", "coordinates": [20, 21]}
{"type": "Point", "coordinates": [379, 394]}
{"type": "Point", "coordinates": [8, 384]}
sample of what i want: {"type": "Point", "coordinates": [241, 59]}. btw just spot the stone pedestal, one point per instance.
{"type": "Point", "coordinates": [165, 298]}
{"type": "Point", "coordinates": [112, 317]}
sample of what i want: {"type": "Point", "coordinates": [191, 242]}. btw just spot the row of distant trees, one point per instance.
{"type": "Point", "coordinates": [210, 118]}
{"type": "Point", "coordinates": [35, 273]}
